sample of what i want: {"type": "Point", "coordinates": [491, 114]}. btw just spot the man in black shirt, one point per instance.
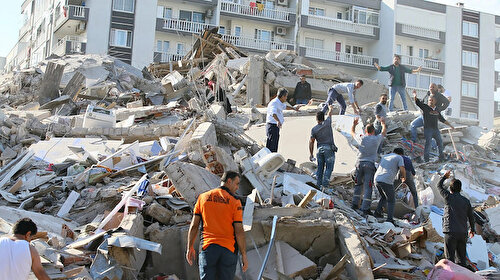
{"type": "Point", "coordinates": [457, 211]}
{"type": "Point", "coordinates": [302, 93]}
{"type": "Point", "coordinates": [431, 130]}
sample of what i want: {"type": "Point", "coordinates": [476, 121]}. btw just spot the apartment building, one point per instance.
{"type": "Point", "coordinates": [454, 45]}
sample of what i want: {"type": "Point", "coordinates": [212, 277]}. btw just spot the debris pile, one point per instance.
{"type": "Point", "coordinates": [109, 161]}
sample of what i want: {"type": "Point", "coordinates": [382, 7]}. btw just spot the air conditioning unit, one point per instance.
{"type": "Point", "coordinates": [81, 27]}
{"type": "Point", "coordinates": [209, 14]}
{"type": "Point", "coordinates": [282, 2]}
{"type": "Point", "coordinates": [280, 30]}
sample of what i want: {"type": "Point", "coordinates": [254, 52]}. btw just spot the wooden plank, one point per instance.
{"type": "Point", "coordinates": [16, 168]}
{"type": "Point", "coordinates": [16, 186]}
{"type": "Point", "coordinates": [309, 196]}
{"type": "Point", "coordinates": [74, 86]}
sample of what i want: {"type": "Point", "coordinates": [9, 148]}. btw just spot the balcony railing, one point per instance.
{"type": "Point", "coordinates": [497, 47]}
{"type": "Point", "coordinates": [240, 9]}
{"type": "Point", "coordinates": [417, 61]}
{"type": "Point", "coordinates": [342, 57]}
{"type": "Point", "coordinates": [251, 43]}
{"type": "Point", "coordinates": [186, 26]}
{"type": "Point", "coordinates": [71, 12]}
{"type": "Point", "coordinates": [342, 25]}
{"type": "Point", "coordinates": [76, 45]}
{"type": "Point", "coordinates": [79, 11]}
{"type": "Point", "coordinates": [167, 56]}
{"type": "Point", "coordinates": [420, 31]}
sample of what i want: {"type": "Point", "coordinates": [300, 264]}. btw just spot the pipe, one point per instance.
{"type": "Point", "coordinates": [270, 246]}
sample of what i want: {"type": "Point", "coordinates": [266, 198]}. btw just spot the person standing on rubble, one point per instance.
{"type": "Point", "coordinates": [380, 113]}
{"type": "Point", "coordinates": [431, 115]}
{"type": "Point", "coordinates": [302, 93]}
{"type": "Point", "coordinates": [446, 94]}
{"type": "Point", "coordinates": [441, 104]}
{"type": "Point", "coordinates": [457, 211]}
{"type": "Point", "coordinates": [384, 181]}
{"type": "Point", "coordinates": [221, 216]}
{"type": "Point", "coordinates": [17, 256]}
{"type": "Point", "coordinates": [410, 180]}
{"type": "Point", "coordinates": [335, 94]}
{"type": "Point", "coordinates": [397, 82]}
{"type": "Point", "coordinates": [275, 119]}
{"type": "Point", "coordinates": [323, 133]}
{"type": "Point", "coordinates": [365, 165]}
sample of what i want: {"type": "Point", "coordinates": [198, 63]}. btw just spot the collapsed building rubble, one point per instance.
{"type": "Point", "coordinates": [109, 160]}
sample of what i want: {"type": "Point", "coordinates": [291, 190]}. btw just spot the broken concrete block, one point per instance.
{"type": "Point", "coordinates": [159, 213]}
{"type": "Point", "coordinates": [218, 111]}
{"type": "Point", "coordinates": [191, 180]}
{"type": "Point", "coordinates": [255, 78]}
{"type": "Point", "coordinates": [203, 135]}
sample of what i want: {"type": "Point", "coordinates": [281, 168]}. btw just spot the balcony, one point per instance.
{"type": "Point", "coordinates": [281, 16]}
{"type": "Point", "coordinates": [341, 26]}
{"type": "Point", "coordinates": [70, 45]}
{"type": "Point", "coordinates": [258, 44]}
{"type": "Point", "coordinates": [71, 12]}
{"type": "Point", "coordinates": [427, 64]}
{"type": "Point", "coordinates": [166, 57]}
{"type": "Point", "coordinates": [25, 28]}
{"type": "Point", "coordinates": [356, 60]}
{"type": "Point", "coordinates": [497, 79]}
{"type": "Point", "coordinates": [177, 25]}
{"type": "Point", "coordinates": [421, 33]}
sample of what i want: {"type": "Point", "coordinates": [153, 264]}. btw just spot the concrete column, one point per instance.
{"type": "Point", "coordinates": [384, 47]}
{"type": "Point", "coordinates": [486, 90]}
{"type": "Point", "coordinates": [144, 33]}
{"type": "Point", "coordinates": [98, 26]}
{"type": "Point", "coordinates": [452, 57]}
{"type": "Point", "coordinates": [255, 81]}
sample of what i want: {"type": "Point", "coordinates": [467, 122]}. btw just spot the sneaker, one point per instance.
{"type": "Point", "coordinates": [367, 212]}
{"type": "Point", "coordinates": [377, 215]}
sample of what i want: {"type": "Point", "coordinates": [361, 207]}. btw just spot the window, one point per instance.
{"type": "Point", "coordinates": [469, 29]}
{"type": "Point", "coordinates": [437, 80]}
{"type": "Point", "coordinates": [314, 43]}
{"type": "Point", "coordinates": [123, 5]}
{"type": "Point", "coordinates": [422, 81]}
{"type": "Point", "coordinates": [316, 11]}
{"type": "Point", "coordinates": [469, 89]}
{"type": "Point", "coordinates": [353, 49]}
{"type": "Point", "coordinates": [423, 53]}
{"type": "Point", "coordinates": [269, 5]}
{"type": "Point", "coordinates": [411, 80]}
{"type": "Point", "coordinates": [237, 31]}
{"type": "Point", "coordinates": [469, 58]}
{"type": "Point", "coordinates": [398, 49]}
{"type": "Point", "coordinates": [409, 50]}
{"type": "Point", "coordinates": [264, 35]}
{"type": "Point", "coordinates": [198, 17]}
{"type": "Point", "coordinates": [365, 16]}
{"type": "Point", "coordinates": [498, 106]}
{"type": "Point", "coordinates": [185, 15]}
{"type": "Point", "coordinates": [164, 12]}
{"type": "Point", "coordinates": [468, 115]}
{"type": "Point", "coordinates": [222, 30]}
{"type": "Point", "coordinates": [162, 46]}
{"type": "Point", "coordinates": [121, 38]}
{"type": "Point", "coordinates": [339, 15]}
{"type": "Point", "coordinates": [180, 48]}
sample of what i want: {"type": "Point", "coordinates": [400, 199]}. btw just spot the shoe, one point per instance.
{"type": "Point", "coordinates": [377, 214]}
{"type": "Point", "coordinates": [367, 212]}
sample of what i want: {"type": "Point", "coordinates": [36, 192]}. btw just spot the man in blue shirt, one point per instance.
{"type": "Point", "coordinates": [335, 94]}
{"type": "Point", "coordinates": [397, 81]}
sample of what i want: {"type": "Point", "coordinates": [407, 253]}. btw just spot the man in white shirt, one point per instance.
{"type": "Point", "coordinates": [17, 256]}
{"type": "Point", "coordinates": [275, 119]}
{"type": "Point", "coordinates": [335, 94]}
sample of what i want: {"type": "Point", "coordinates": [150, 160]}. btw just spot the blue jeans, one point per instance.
{"type": "Point", "coordinates": [416, 123]}
{"type": "Point", "coordinates": [364, 181]}
{"type": "Point", "coordinates": [333, 95]}
{"type": "Point", "coordinates": [326, 157]}
{"type": "Point", "coordinates": [429, 134]}
{"type": "Point", "coordinates": [387, 199]}
{"type": "Point", "coordinates": [301, 101]}
{"type": "Point", "coordinates": [217, 262]}
{"type": "Point", "coordinates": [392, 95]}
{"type": "Point", "coordinates": [273, 136]}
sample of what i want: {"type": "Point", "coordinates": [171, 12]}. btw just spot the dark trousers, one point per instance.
{"type": "Point", "coordinates": [333, 95]}
{"type": "Point", "coordinates": [364, 184]}
{"type": "Point", "coordinates": [217, 262]}
{"type": "Point", "coordinates": [387, 199]}
{"type": "Point", "coordinates": [273, 136]}
{"type": "Point", "coordinates": [456, 242]}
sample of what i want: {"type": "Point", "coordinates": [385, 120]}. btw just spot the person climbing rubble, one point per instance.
{"type": "Point", "coordinates": [365, 165]}
{"type": "Point", "coordinates": [323, 134]}
{"type": "Point", "coordinates": [335, 94]}
{"type": "Point", "coordinates": [397, 82]}
{"type": "Point", "coordinates": [431, 115]}
{"type": "Point", "coordinates": [221, 215]}
{"type": "Point", "coordinates": [17, 256]}
{"type": "Point", "coordinates": [384, 181]}
{"type": "Point", "coordinates": [457, 211]}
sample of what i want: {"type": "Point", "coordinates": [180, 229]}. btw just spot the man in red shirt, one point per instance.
{"type": "Point", "coordinates": [221, 215]}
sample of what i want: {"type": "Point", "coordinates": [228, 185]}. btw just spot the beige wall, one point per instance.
{"type": "Point", "coordinates": [427, 19]}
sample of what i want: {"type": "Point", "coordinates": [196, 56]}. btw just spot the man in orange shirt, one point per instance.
{"type": "Point", "coordinates": [221, 217]}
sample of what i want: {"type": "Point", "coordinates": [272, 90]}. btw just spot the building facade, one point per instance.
{"type": "Point", "coordinates": [455, 46]}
